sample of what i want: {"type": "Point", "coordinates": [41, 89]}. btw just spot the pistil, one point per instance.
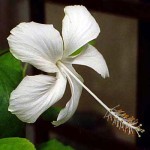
{"type": "Point", "coordinates": [118, 117]}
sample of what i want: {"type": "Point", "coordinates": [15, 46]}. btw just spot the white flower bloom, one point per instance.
{"type": "Point", "coordinates": [42, 46]}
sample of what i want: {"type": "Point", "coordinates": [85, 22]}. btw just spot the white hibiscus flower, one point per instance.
{"type": "Point", "coordinates": [42, 46]}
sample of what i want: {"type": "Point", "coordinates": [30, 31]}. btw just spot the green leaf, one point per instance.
{"type": "Point", "coordinates": [51, 114]}
{"type": "Point", "coordinates": [16, 144]}
{"type": "Point", "coordinates": [10, 77]}
{"type": "Point", "coordinates": [2, 52]}
{"type": "Point", "coordinates": [77, 52]}
{"type": "Point", "coordinates": [54, 145]}
{"type": "Point", "coordinates": [92, 42]}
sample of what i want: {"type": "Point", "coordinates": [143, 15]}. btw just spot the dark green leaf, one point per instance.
{"type": "Point", "coordinates": [16, 144]}
{"type": "Point", "coordinates": [54, 145]}
{"type": "Point", "coordinates": [2, 52]}
{"type": "Point", "coordinates": [51, 114]}
{"type": "Point", "coordinates": [10, 76]}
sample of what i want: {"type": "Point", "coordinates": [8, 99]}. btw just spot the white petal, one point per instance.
{"type": "Point", "coordinates": [38, 44]}
{"type": "Point", "coordinates": [92, 58]}
{"type": "Point", "coordinates": [35, 94]}
{"type": "Point", "coordinates": [71, 106]}
{"type": "Point", "coordinates": [79, 27]}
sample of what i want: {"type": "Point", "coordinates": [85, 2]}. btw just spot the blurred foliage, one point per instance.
{"type": "Point", "coordinates": [51, 114]}
{"type": "Point", "coordinates": [11, 74]}
{"type": "Point", "coordinates": [16, 144]}
{"type": "Point", "coordinates": [2, 52]}
{"type": "Point", "coordinates": [54, 145]}
{"type": "Point", "coordinates": [10, 77]}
